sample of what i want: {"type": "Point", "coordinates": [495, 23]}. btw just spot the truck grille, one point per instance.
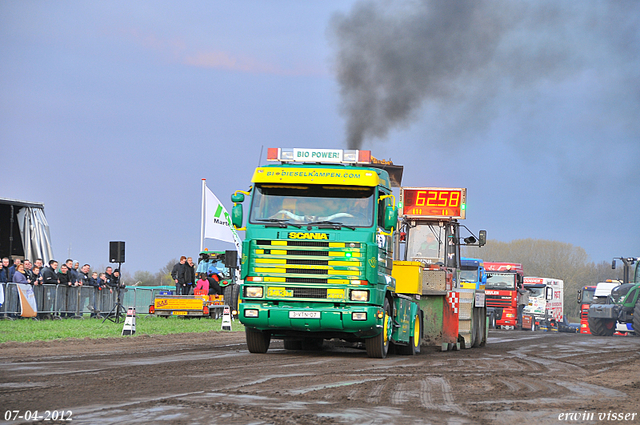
{"type": "Point", "coordinates": [311, 263]}
{"type": "Point", "coordinates": [497, 301]}
{"type": "Point", "coordinates": [309, 292]}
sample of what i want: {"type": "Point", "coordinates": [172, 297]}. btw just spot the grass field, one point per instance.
{"type": "Point", "coordinates": [25, 330]}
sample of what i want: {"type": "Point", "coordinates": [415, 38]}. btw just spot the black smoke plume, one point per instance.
{"type": "Point", "coordinates": [393, 56]}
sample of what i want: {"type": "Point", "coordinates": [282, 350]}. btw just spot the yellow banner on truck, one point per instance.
{"type": "Point", "coordinates": [178, 304]}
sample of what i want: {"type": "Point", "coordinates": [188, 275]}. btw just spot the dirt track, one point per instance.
{"type": "Point", "coordinates": [518, 378]}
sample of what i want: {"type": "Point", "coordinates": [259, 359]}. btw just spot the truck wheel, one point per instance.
{"type": "Point", "coordinates": [235, 299]}
{"type": "Point", "coordinates": [257, 341]}
{"type": "Point", "coordinates": [416, 338]}
{"type": "Point", "coordinates": [413, 347]}
{"type": "Point", "coordinates": [636, 318]}
{"type": "Point", "coordinates": [231, 297]}
{"type": "Point", "coordinates": [477, 328]}
{"type": "Point", "coordinates": [378, 346]}
{"type": "Point", "coordinates": [292, 344]}
{"type": "Point", "coordinates": [602, 327]}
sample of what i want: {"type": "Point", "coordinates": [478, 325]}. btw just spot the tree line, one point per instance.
{"type": "Point", "coordinates": [552, 259]}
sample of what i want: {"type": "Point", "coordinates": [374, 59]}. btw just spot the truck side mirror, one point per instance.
{"type": "Point", "coordinates": [579, 295]}
{"type": "Point", "coordinates": [482, 237]}
{"type": "Point", "coordinates": [613, 264]}
{"type": "Point", "coordinates": [390, 218]}
{"type": "Point", "coordinates": [236, 198]}
{"type": "Point", "coordinates": [237, 215]}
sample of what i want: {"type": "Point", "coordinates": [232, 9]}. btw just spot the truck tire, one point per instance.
{"type": "Point", "coordinates": [492, 320]}
{"type": "Point", "coordinates": [602, 327]}
{"type": "Point", "coordinates": [378, 346]}
{"type": "Point", "coordinates": [236, 299]}
{"type": "Point", "coordinates": [477, 328]}
{"type": "Point", "coordinates": [413, 347]}
{"type": "Point", "coordinates": [257, 341]}
{"type": "Point", "coordinates": [231, 297]}
{"type": "Point", "coordinates": [636, 318]}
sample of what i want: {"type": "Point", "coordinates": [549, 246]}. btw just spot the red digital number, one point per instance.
{"type": "Point", "coordinates": [431, 198]}
{"type": "Point", "coordinates": [454, 199]}
{"type": "Point", "coordinates": [420, 200]}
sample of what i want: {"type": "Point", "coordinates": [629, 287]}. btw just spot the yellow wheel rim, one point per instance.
{"type": "Point", "coordinates": [386, 328]}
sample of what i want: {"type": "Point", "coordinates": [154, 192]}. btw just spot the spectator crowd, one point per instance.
{"type": "Point", "coordinates": [66, 276]}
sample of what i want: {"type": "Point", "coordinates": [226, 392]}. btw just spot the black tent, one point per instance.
{"type": "Point", "coordinates": [24, 230]}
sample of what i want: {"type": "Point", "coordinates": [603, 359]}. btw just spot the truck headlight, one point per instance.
{"type": "Point", "coordinates": [251, 313]}
{"type": "Point", "coordinates": [358, 316]}
{"type": "Point", "coordinates": [359, 295]}
{"type": "Point", "coordinates": [253, 291]}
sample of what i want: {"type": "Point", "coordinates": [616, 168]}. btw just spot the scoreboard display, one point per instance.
{"type": "Point", "coordinates": [433, 202]}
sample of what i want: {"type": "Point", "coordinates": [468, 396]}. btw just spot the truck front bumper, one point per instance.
{"type": "Point", "coordinates": [327, 320]}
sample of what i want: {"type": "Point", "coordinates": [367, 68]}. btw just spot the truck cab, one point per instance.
{"type": "Point", "coordinates": [472, 273]}
{"type": "Point", "coordinates": [546, 303]}
{"type": "Point", "coordinates": [585, 298]}
{"type": "Point", "coordinates": [503, 282]}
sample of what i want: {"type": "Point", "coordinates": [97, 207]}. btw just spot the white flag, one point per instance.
{"type": "Point", "coordinates": [217, 222]}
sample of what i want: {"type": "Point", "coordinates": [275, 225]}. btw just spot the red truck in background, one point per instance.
{"type": "Point", "coordinates": [585, 297]}
{"type": "Point", "coordinates": [501, 290]}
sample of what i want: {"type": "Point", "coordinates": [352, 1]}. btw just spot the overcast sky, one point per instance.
{"type": "Point", "coordinates": [111, 113]}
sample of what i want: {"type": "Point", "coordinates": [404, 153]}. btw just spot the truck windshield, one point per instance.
{"type": "Point", "coordinates": [469, 275]}
{"type": "Point", "coordinates": [536, 292]}
{"type": "Point", "coordinates": [587, 296]}
{"type": "Point", "coordinates": [303, 204]}
{"type": "Point", "coordinates": [426, 243]}
{"type": "Point", "coordinates": [501, 281]}
{"type": "Point", "coordinates": [211, 265]}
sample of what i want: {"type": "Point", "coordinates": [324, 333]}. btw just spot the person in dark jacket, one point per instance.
{"type": "Point", "coordinates": [13, 268]}
{"type": "Point", "coordinates": [96, 288]}
{"type": "Point", "coordinates": [73, 274]}
{"type": "Point", "coordinates": [49, 274]}
{"type": "Point", "coordinates": [4, 271]}
{"type": "Point", "coordinates": [63, 290]}
{"type": "Point", "coordinates": [188, 276]}
{"type": "Point", "coordinates": [175, 274]}
{"type": "Point", "coordinates": [109, 277]}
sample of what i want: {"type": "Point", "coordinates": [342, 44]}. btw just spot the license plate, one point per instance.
{"type": "Point", "coordinates": [304, 315]}
{"type": "Point", "coordinates": [179, 313]}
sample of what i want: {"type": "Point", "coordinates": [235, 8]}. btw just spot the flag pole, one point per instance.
{"type": "Point", "coordinates": [204, 184]}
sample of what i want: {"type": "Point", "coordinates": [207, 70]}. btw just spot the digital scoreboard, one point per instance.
{"type": "Point", "coordinates": [433, 202]}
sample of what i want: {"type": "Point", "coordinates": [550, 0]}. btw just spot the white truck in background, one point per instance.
{"type": "Point", "coordinates": [546, 303]}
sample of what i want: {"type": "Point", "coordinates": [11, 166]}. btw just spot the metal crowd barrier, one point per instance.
{"type": "Point", "coordinates": [58, 301]}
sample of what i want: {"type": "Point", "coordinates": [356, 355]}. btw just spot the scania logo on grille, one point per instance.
{"type": "Point", "coordinates": [301, 235]}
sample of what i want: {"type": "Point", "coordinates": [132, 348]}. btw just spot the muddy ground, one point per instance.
{"type": "Point", "coordinates": [518, 378]}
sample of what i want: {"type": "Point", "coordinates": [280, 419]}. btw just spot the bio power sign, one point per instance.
{"type": "Point", "coordinates": [318, 155]}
